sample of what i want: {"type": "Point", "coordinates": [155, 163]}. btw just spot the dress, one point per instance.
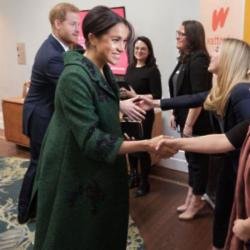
{"type": "Point", "coordinates": [144, 80]}
{"type": "Point", "coordinates": [81, 182]}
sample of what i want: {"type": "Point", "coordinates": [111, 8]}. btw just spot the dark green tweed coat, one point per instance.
{"type": "Point", "coordinates": [81, 182]}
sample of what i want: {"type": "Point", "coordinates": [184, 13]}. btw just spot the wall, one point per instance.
{"type": "Point", "coordinates": [27, 21]}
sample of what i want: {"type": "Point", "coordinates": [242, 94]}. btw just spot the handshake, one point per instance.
{"type": "Point", "coordinates": [163, 146]}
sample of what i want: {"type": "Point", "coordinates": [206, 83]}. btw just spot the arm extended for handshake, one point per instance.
{"type": "Point", "coordinates": [149, 145]}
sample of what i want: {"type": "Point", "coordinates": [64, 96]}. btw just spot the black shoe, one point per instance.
{"type": "Point", "coordinates": [26, 215]}
{"type": "Point", "coordinates": [22, 218]}
{"type": "Point", "coordinates": [142, 190]}
{"type": "Point", "coordinates": [133, 181]}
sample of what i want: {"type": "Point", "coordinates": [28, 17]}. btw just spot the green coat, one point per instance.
{"type": "Point", "coordinates": [81, 180]}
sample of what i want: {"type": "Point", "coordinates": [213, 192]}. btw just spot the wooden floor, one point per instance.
{"type": "Point", "coordinates": [155, 214]}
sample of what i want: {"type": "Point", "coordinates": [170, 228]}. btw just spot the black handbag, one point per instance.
{"type": "Point", "coordinates": [133, 129]}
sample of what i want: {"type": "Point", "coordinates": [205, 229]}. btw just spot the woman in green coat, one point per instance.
{"type": "Point", "coordinates": [81, 182]}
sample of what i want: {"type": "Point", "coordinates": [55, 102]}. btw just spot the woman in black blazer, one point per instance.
{"type": "Point", "coordinates": [191, 76]}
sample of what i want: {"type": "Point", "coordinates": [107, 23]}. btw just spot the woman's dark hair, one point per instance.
{"type": "Point", "coordinates": [195, 36]}
{"type": "Point", "coordinates": [99, 20]}
{"type": "Point", "coordinates": [150, 61]}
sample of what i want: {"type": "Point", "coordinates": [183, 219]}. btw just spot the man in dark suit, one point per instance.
{"type": "Point", "coordinates": [39, 103]}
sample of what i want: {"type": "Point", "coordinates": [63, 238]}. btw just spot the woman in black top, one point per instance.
{"type": "Point", "coordinates": [222, 143]}
{"type": "Point", "coordinates": [144, 77]}
{"type": "Point", "coordinates": [191, 76]}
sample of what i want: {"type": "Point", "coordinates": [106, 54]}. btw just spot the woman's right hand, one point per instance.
{"type": "Point", "coordinates": [172, 122]}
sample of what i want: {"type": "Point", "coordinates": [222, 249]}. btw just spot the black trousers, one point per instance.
{"type": "Point", "coordinates": [198, 165]}
{"type": "Point", "coordinates": [38, 128]}
{"type": "Point", "coordinates": [143, 157]}
{"type": "Point", "coordinates": [28, 180]}
{"type": "Point", "coordinates": [223, 203]}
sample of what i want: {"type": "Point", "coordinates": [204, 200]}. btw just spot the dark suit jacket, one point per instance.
{"type": "Point", "coordinates": [39, 103]}
{"type": "Point", "coordinates": [193, 78]}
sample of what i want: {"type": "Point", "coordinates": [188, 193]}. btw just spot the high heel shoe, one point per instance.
{"type": "Point", "coordinates": [194, 208]}
{"type": "Point", "coordinates": [183, 207]}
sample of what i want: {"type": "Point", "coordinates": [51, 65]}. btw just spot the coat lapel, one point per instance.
{"type": "Point", "coordinates": [180, 77]}
{"type": "Point", "coordinates": [110, 87]}
{"type": "Point", "coordinates": [56, 44]}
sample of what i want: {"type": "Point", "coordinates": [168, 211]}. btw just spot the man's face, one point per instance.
{"type": "Point", "coordinates": [68, 30]}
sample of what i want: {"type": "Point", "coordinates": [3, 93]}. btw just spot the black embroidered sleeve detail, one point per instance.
{"type": "Point", "coordinates": [104, 145]}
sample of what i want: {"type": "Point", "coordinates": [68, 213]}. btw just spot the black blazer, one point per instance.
{"type": "Point", "coordinates": [39, 103]}
{"type": "Point", "coordinates": [193, 78]}
{"type": "Point", "coordinates": [184, 101]}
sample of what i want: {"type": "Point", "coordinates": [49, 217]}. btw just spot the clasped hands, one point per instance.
{"type": "Point", "coordinates": [163, 146]}
{"type": "Point", "coordinates": [135, 108]}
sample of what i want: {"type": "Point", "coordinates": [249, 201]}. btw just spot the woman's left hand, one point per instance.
{"type": "Point", "coordinates": [133, 111]}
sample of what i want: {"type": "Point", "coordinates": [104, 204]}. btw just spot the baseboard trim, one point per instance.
{"type": "Point", "coordinates": [166, 173]}
{"type": "Point", "coordinates": [175, 164]}
{"type": "Point", "coordinates": [169, 180]}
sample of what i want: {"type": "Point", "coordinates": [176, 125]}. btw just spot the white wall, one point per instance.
{"type": "Point", "coordinates": [27, 21]}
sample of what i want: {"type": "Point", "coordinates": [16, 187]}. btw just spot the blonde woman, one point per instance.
{"type": "Point", "coordinates": [229, 98]}
{"type": "Point", "coordinates": [238, 233]}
